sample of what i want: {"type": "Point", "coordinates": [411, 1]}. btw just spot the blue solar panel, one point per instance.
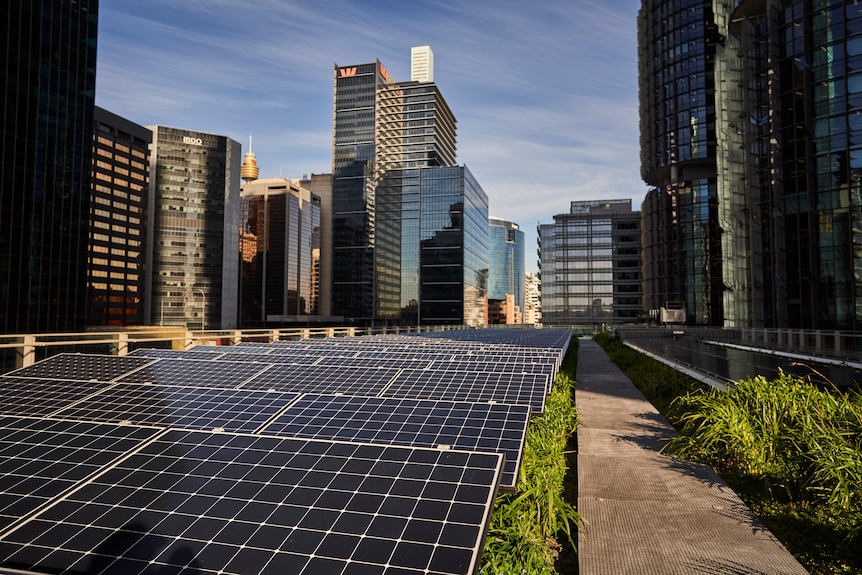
{"type": "Point", "coordinates": [467, 426]}
{"type": "Point", "coordinates": [181, 407]}
{"type": "Point", "coordinates": [233, 504]}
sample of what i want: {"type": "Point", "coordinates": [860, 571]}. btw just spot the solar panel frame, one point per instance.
{"type": "Point", "coordinates": [477, 387]}
{"type": "Point", "coordinates": [324, 379]}
{"type": "Point", "coordinates": [40, 459]}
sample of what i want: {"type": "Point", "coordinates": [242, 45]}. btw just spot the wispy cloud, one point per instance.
{"type": "Point", "coordinates": [545, 92]}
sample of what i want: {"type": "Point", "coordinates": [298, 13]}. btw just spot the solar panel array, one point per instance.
{"type": "Point", "coordinates": [351, 455]}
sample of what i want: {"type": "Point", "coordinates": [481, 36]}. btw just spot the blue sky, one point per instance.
{"type": "Point", "coordinates": [545, 92]}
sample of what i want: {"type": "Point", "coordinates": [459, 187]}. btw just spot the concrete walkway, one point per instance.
{"type": "Point", "coordinates": [650, 513]}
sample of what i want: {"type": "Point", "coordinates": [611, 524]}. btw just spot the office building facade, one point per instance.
{"type": "Point", "coordinates": [591, 264]}
{"type": "Point", "coordinates": [532, 299]}
{"type": "Point", "coordinates": [118, 207]}
{"type": "Point", "coordinates": [453, 248]}
{"type": "Point", "coordinates": [193, 231]}
{"type": "Point", "coordinates": [385, 133]}
{"type": "Point", "coordinates": [280, 244]}
{"type": "Point", "coordinates": [355, 174]}
{"type": "Point", "coordinates": [506, 265]}
{"type": "Point", "coordinates": [49, 61]}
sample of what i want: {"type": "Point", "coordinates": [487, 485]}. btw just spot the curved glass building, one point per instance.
{"type": "Point", "coordinates": [505, 261]}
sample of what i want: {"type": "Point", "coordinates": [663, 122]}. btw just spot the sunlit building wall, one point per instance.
{"type": "Point", "coordinates": [118, 207]}
{"type": "Point", "coordinates": [193, 231]}
{"type": "Point", "coordinates": [532, 299]}
{"type": "Point", "coordinates": [49, 82]}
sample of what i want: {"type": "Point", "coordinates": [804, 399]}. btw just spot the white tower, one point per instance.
{"type": "Point", "coordinates": [421, 64]}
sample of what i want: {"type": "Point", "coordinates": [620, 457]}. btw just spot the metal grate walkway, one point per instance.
{"type": "Point", "coordinates": [650, 513]}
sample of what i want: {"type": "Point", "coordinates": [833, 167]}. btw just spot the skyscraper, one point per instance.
{"type": "Point", "coordinates": [47, 104]}
{"type": "Point", "coordinates": [193, 231]}
{"type": "Point", "coordinates": [355, 174]}
{"type": "Point", "coordinates": [506, 262]}
{"type": "Point", "coordinates": [453, 247]}
{"type": "Point", "coordinates": [385, 132]}
{"type": "Point", "coordinates": [281, 232]}
{"type": "Point", "coordinates": [121, 171]}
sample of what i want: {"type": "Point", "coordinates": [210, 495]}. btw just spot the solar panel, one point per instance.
{"type": "Point", "coordinates": [80, 367]}
{"type": "Point", "coordinates": [468, 426]}
{"type": "Point", "coordinates": [225, 374]}
{"type": "Point", "coordinates": [324, 379]}
{"type": "Point", "coordinates": [477, 387]}
{"type": "Point", "coordinates": [181, 407]}
{"type": "Point", "coordinates": [40, 397]}
{"type": "Point", "coordinates": [223, 503]}
{"type": "Point", "coordinates": [40, 459]}
{"type": "Point", "coordinates": [176, 353]}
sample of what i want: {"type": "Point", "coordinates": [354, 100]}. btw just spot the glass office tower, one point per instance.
{"type": "Point", "coordinates": [355, 175]}
{"type": "Point", "coordinates": [453, 249]}
{"type": "Point", "coordinates": [506, 261]}
{"type": "Point", "coordinates": [699, 197]}
{"type": "Point", "coordinates": [802, 63]}
{"type": "Point", "coordinates": [49, 56]}
{"type": "Point", "coordinates": [279, 239]}
{"type": "Point", "coordinates": [193, 231]}
{"type": "Point", "coordinates": [120, 187]}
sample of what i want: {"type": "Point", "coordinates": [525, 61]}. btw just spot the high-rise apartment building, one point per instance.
{"type": "Point", "coordinates": [506, 263]}
{"type": "Point", "coordinates": [453, 248]}
{"type": "Point", "coordinates": [591, 264]}
{"type": "Point", "coordinates": [385, 133]}
{"type": "Point", "coordinates": [193, 231]}
{"type": "Point", "coordinates": [280, 242]}
{"type": "Point", "coordinates": [49, 81]}
{"type": "Point", "coordinates": [120, 188]}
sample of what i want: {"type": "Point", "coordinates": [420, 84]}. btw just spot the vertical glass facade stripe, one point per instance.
{"type": "Point", "coordinates": [47, 105]}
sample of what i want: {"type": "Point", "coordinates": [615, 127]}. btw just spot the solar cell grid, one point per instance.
{"type": "Point", "coordinates": [219, 503]}
{"type": "Point", "coordinates": [324, 379]}
{"type": "Point", "coordinates": [168, 371]}
{"type": "Point", "coordinates": [42, 458]}
{"type": "Point", "coordinates": [467, 426]}
{"type": "Point", "coordinates": [80, 367]}
{"type": "Point", "coordinates": [479, 387]}
{"type": "Point", "coordinates": [181, 407]}
{"type": "Point", "coordinates": [41, 397]}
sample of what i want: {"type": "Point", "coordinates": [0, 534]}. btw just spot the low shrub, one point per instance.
{"type": "Point", "coordinates": [526, 526]}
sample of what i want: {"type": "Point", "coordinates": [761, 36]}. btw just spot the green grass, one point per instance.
{"type": "Point", "coordinates": [793, 452]}
{"type": "Point", "coordinates": [529, 528]}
